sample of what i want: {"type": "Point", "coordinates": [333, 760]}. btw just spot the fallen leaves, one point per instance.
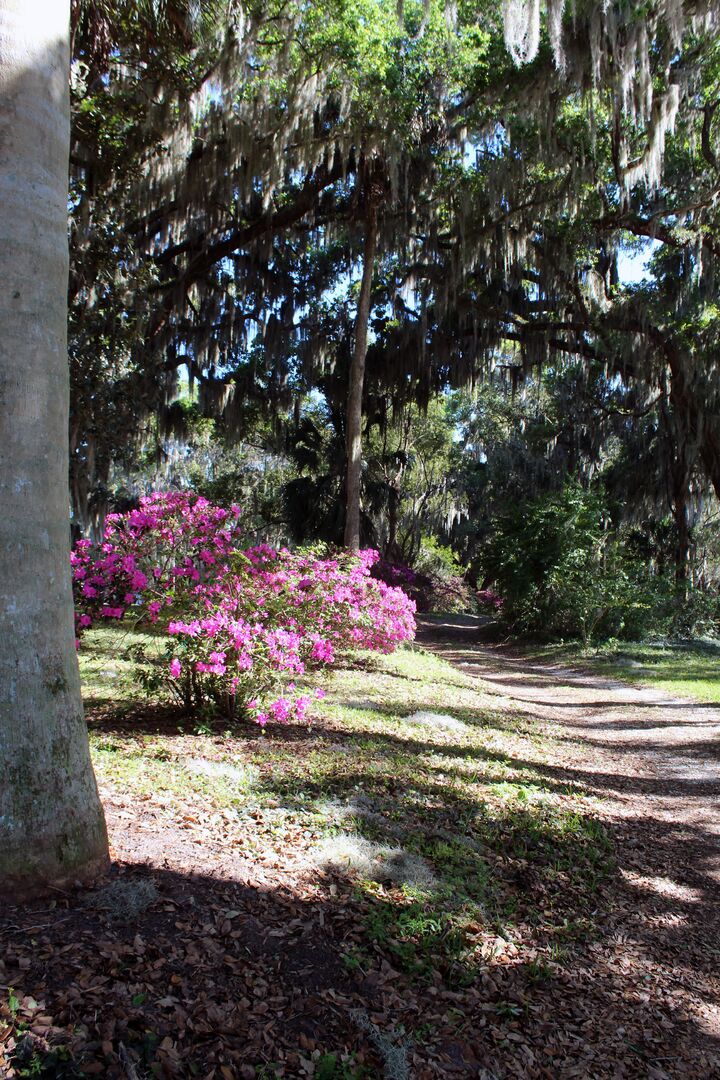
{"type": "Point", "coordinates": [239, 958]}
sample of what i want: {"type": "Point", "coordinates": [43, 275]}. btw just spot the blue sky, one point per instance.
{"type": "Point", "coordinates": [633, 265]}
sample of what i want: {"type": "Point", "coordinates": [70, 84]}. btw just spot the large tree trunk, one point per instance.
{"type": "Point", "coordinates": [357, 380]}
{"type": "Point", "coordinates": [52, 828]}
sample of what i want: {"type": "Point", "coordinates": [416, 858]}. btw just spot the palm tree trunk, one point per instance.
{"type": "Point", "coordinates": [357, 380]}
{"type": "Point", "coordinates": [52, 827]}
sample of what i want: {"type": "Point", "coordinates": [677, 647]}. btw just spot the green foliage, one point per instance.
{"type": "Point", "coordinates": [563, 573]}
{"type": "Point", "coordinates": [440, 565]}
{"type": "Point", "coordinates": [408, 479]}
{"type": "Point", "coordinates": [335, 1067]}
{"type": "Point", "coordinates": [502, 223]}
{"type": "Point", "coordinates": [683, 669]}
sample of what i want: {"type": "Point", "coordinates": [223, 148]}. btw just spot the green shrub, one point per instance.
{"type": "Point", "coordinates": [438, 563]}
{"type": "Point", "coordinates": [564, 573]}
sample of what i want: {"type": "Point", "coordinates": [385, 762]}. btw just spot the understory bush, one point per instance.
{"type": "Point", "coordinates": [238, 626]}
{"type": "Point", "coordinates": [563, 573]}
{"type": "Point", "coordinates": [694, 613]}
{"type": "Point", "coordinates": [436, 581]}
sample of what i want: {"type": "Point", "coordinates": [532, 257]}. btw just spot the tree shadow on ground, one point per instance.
{"type": "Point", "coordinates": [523, 677]}
{"type": "Point", "coordinates": [186, 971]}
{"type": "Point", "coordinates": [151, 718]}
{"type": "Point", "coordinates": [548, 945]}
{"type": "Point", "coordinates": [651, 724]}
{"type": "Point", "coordinates": [603, 784]}
{"type": "Point", "coordinates": [471, 652]}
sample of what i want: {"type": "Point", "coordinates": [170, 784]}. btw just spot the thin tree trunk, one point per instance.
{"type": "Point", "coordinates": [393, 508]}
{"type": "Point", "coordinates": [682, 543]}
{"type": "Point", "coordinates": [711, 452]}
{"type": "Point", "coordinates": [678, 483]}
{"type": "Point", "coordinates": [52, 827]}
{"type": "Point", "coordinates": [680, 422]}
{"type": "Point", "coordinates": [357, 380]}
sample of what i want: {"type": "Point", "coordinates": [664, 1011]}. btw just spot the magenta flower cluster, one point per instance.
{"type": "Point", "coordinates": [238, 626]}
{"type": "Point", "coordinates": [488, 598]}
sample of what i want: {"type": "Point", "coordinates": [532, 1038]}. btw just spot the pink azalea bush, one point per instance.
{"type": "Point", "coordinates": [489, 600]}
{"type": "Point", "coordinates": [239, 626]}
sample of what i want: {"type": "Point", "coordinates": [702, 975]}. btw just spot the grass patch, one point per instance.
{"type": "Point", "coordinates": [107, 669]}
{"type": "Point", "coordinates": [686, 670]}
{"type": "Point", "coordinates": [445, 835]}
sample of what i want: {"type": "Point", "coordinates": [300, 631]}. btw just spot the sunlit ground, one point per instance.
{"type": "Point", "coordinates": [406, 782]}
{"type": "Point", "coordinates": [691, 671]}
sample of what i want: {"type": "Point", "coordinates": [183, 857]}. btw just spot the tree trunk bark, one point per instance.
{"type": "Point", "coordinates": [681, 457]}
{"type": "Point", "coordinates": [682, 544]}
{"type": "Point", "coordinates": [52, 828]}
{"type": "Point", "coordinates": [355, 390]}
{"type": "Point", "coordinates": [393, 509]}
{"type": "Point", "coordinates": [711, 450]}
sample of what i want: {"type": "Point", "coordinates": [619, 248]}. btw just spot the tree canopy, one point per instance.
{"type": "Point", "coordinates": [332, 215]}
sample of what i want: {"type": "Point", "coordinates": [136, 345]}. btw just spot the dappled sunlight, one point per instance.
{"type": "Point", "coordinates": [473, 862]}
{"type": "Point", "coordinates": [664, 886]}
{"type": "Point", "coordinates": [353, 854]}
{"type": "Point", "coordinates": [371, 347]}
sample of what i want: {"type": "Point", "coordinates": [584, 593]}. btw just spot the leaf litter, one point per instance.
{"type": "Point", "coordinates": [573, 935]}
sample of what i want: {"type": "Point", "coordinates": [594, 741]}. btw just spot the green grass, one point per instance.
{"type": "Point", "coordinates": [503, 852]}
{"type": "Point", "coordinates": [108, 673]}
{"type": "Point", "coordinates": [690, 671]}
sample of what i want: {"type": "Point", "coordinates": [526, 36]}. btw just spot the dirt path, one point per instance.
{"type": "Point", "coordinates": [653, 761]}
{"type": "Point", "coordinates": [652, 753]}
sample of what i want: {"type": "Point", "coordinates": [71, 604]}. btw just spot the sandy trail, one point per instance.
{"type": "Point", "coordinates": [638, 746]}
{"type": "Point", "coordinates": [653, 762]}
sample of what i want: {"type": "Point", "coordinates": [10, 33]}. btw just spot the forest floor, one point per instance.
{"type": "Point", "coordinates": [471, 864]}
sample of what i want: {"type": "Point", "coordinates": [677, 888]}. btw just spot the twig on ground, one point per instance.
{"type": "Point", "coordinates": [29, 929]}
{"type": "Point", "coordinates": [126, 1062]}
